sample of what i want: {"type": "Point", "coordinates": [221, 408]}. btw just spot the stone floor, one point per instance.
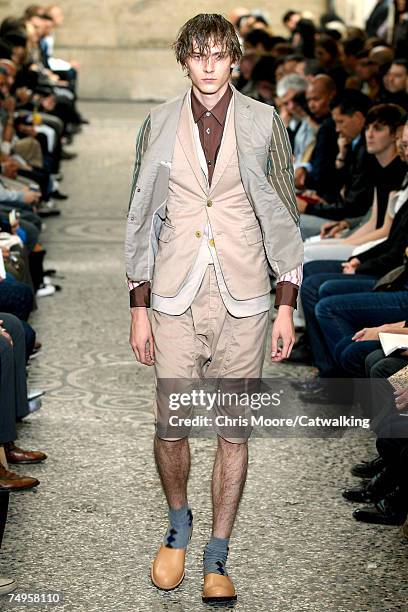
{"type": "Point", "coordinates": [93, 525]}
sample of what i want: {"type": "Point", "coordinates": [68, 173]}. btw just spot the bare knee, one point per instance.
{"type": "Point", "coordinates": [234, 445]}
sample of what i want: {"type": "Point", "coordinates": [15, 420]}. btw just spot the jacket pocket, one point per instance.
{"type": "Point", "coordinates": [166, 233]}
{"type": "Point", "coordinates": [253, 234]}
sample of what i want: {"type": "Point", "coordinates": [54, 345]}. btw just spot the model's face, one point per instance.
{"type": "Point", "coordinates": [396, 79]}
{"type": "Point", "coordinates": [209, 73]}
{"type": "Point", "coordinates": [318, 101]}
{"type": "Point", "coordinates": [348, 126]}
{"type": "Point", "coordinates": [379, 138]}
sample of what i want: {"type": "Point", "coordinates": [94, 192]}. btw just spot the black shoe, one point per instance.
{"type": "Point", "coordinates": [388, 511]}
{"type": "Point", "coordinates": [320, 394]}
{"type": "Point", "coordinates": [50, 212]}
{"type": "Point", "coordinates": [66, 155]}
{"type": "Point", "coordinates": [57, 195]}
{"type": "Point", "coordinates": [300, 354]}
{"type": "Point", "coordinates": [72, 129]}
{"type": "Point", "coordinates": [357, 494]}
{"type": "Point", "coordinates": [372, 490]}
{"type": "Point", "coordinates": [368, 469]}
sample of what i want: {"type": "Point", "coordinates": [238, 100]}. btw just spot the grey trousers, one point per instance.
{"type": "Point", "coordinates": [13, 382]}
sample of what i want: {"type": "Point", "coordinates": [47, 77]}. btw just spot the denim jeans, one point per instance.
{"type": "Point", "coordinates": [16, 298]}
{"type": "Point", "coordinates": [351, 355]}
{"type": "Point", "coordinates": [342, 315]}
{"type": "Point", "coordinates": [315, 287]}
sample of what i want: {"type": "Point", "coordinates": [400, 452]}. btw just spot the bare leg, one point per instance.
{"type": "Point", "coordinates": [228, 480]}
{"type": "Point", "coordinates": [173, 465]}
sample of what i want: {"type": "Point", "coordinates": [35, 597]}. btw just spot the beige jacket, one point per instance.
{"type": "Point", "coordinates": [266, 169]}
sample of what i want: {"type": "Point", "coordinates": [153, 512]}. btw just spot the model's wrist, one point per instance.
{"type": "Point", "coordinates": [285, 310]}
{"type": "Point", "coordinates": [138, 312]}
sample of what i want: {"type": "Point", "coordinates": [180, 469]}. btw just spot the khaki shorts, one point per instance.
{"type": "Point", "coordinates": [205, 342]}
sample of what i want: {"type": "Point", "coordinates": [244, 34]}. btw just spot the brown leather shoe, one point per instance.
{"type": "Point", "coordinates": [218, 589]}
{"type": "Point", "coordinates": [10, 481]}
{"type": "Point", "coordinates": [15, 454]}
{"type": "Point", "coordinates": [167, 570]}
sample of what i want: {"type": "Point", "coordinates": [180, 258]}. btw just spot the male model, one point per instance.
{"type": "Point", "coordinates": [212, 214]}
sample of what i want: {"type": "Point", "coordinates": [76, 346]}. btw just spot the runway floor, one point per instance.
{"type": "Point", "coordinates": [92, 527]}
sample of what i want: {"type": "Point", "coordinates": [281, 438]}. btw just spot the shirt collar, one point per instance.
{"type": "Point", "coordinates": [355, 141]}
{"type": "Point", "coordinates": [219, 111]}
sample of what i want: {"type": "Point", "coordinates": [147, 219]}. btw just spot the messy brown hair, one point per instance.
{"type": "Point", "coordinates": [201, 31]}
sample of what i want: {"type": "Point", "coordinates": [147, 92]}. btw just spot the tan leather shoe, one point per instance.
{"type": "Point", "coordinates": [10, 481]}
{"type": "Point", "coordinates": [167, 570]}
{"type": "Point", "coordinates": [218, 588]}
{"type": "Point", "coordinates": [15, 454]}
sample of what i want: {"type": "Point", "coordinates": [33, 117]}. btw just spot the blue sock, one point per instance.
{"type": "Point", "coordinates": [215, 556]}
{"type": "Point", "coordinates": [179, 530]}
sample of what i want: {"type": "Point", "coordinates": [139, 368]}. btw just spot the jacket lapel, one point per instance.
{"type": "Point", "coordinates": [244, 119]}
{"type": "Point", "coordinates": [186, 138]}
{"type": "Point", "coordinates": [227, 148]}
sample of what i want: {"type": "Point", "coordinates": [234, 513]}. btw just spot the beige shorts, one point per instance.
{"type": "Point", "coordinates": [206, 342]}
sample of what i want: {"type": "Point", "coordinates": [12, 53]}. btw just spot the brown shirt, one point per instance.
{"type": "Point", "coordinates": [210, 125]}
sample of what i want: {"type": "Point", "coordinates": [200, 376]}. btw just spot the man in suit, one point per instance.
{"type": "Point", "coordinates": [212, 213]}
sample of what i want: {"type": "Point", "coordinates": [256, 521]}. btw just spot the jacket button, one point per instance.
{"type": "Point", "coordinates": [132, 218]}
{"type": "Point", "coordinates": [198, 234]}
{"type": "Point", "coordinates": [138, 189]}
{"type": "Point", "coordinates": [211, 242]}
{"type": "Point", "coordinates": [209, 202]}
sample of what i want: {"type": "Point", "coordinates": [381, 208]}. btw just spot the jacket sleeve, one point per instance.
{"type": "Point", "coordinates": [280, 167]}
{"type": "Point", "coordinates": [139, 290]}
{"type": "Point", "coordinates": [142, 142]}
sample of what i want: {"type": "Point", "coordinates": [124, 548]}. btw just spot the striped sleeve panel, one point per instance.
{"type": "Point", "coordinates": [280, 168]}
{"type": "Point", "coordinates": [142, 142]}
{"type": "Point", "coordinates": [294, 276]}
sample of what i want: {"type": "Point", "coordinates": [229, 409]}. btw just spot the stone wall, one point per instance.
{"type": "Point", "coordinates": [123, 45]}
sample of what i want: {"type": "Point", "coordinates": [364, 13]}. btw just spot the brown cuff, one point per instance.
{"type": "Point", "coordinates": [140, 295]}
{"type": "Point", "coordinates": [286, 294]}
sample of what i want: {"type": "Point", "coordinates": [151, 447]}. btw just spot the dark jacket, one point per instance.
{"type": "Point", "coordinates": [389, 254]}
{"type": "Point", "coordinates": [358, 185]}
{"type": "Point", "coordinates": [322, 178]}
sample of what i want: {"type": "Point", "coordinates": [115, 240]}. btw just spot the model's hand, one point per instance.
{"type": "Point", "coordinates": [283, 330]}
{"type": "Point", "coordinates": [141, 337]}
